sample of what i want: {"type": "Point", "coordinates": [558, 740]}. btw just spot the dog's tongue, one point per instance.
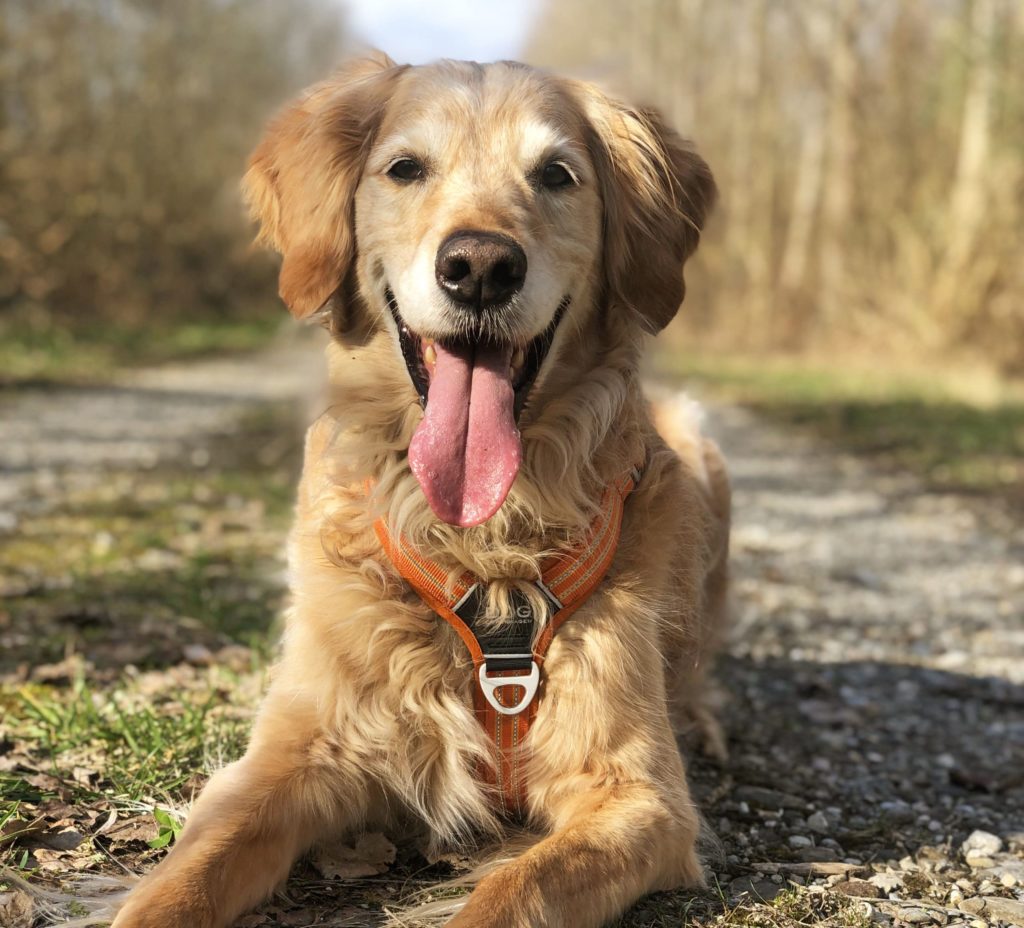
{"type": "Point", "coordinates": [466, 451]}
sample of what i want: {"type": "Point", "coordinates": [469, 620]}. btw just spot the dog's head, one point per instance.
{"type": "Point", "coordinates": [475, 213]}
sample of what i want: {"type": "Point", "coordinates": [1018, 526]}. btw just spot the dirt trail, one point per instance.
{"type": "Point", "coordinates": [873, 689]}
{"type": "Point", "coordinates": [875, 683]}
{"type": "Point", "coordinates": [66, 438]}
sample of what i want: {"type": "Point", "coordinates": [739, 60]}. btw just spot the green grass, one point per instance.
{"type": "Point", "coordinates": [139, 747]}
{"type": "Point", "coordinates": [120, 746]}
{"type": "Point", "coordinates": [54, 353]}
{"type": "Point", "coordinates": [932, 425]}
{"type": "Point", "coordinates": [107, 600]}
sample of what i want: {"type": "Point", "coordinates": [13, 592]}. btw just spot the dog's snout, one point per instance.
{"type": "Point", "coordinates": [480, 269]}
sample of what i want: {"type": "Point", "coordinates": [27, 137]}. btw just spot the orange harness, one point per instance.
{"type": "Point", "coordinates": [507, 660]}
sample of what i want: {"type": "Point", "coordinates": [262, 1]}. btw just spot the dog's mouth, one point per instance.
{"type": "Point", "coordinates": [466, 452]}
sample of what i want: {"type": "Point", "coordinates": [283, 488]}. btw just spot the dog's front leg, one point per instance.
{"type": "Point", "coordinates": [252, 821]}
{"type": "Point", "coordinates": [616, 844]}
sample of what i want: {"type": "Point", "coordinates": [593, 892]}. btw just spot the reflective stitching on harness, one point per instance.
{"type": "Point", "coordinates": [567, 581]}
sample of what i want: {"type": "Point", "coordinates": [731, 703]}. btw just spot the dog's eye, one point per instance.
{"type": "Point", "coordinates": [406, 169]}
{"type": "Point", "coordinates": [556, 175]}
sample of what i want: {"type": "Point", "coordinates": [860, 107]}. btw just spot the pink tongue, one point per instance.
{"type": "Point", "coordinates": [466, 451]}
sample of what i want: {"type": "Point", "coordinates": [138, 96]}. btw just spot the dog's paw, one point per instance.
{"type": "Point", "coordinates": [160, 910]}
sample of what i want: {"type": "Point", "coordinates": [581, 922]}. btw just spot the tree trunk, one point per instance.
{"type": "Point", "coordinates": [837, 207]}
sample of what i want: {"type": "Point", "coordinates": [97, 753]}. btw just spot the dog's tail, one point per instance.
{"type": "Point", "coordinates": [87, 901]}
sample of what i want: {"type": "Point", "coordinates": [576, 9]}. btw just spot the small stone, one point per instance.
{"type": "Point", "coordinates": [973, 906]}
{"type": "Point", "coordinates": [816, 855]}
{"type": "Point", "coordinates": [1008, 880]}
{"type": "Point", "coordinates": [198, 654]}
{"type": "Point", "coordinates": [799, 841]}
{"type": "Point", "coordinates": [978, 923]}
{"type": "Point", "coordinates": [897, 812]}
{"type": "Point", "coordinates": [757, 889]}
{"type": "Point", "coordinates": [763, 798]}
{"type": "Point", "coordinates": [887, 882]}
{"type": "Point", "coordinates": [819, 822]}
{"type": "Point", "coordinates": [980, 863]}
{"type": "Point", "coordinates": [981, 844]}
{"type": "Point", "coordinates": [955, 896]}
{"type": "Point", "coordinates": [1003, 910]}
{"type": "Point", "coordinates": [916, 916]}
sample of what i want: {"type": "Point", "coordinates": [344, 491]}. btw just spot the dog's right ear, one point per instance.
{"type": "Point", "coordinates": [302, 178]}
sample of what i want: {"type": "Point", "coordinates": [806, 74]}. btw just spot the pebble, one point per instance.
{"type": "Point", "coordinates": [887, 882]}
{"type": "Point", "coordinates": [819, 822]}
{"type": "Point", "coordinates": [764, 798]}
{"type": "Point", "coordinates": [800, 841]}
{"type": "Point", "coordinates": [197, 654]}
{"type": "Point", "coordinates": [981, 844]}
{"type": "Point", "coordinates": [916, 916]}
{"type": "Point", "coordinates": [980, 863]}
{"type": "Point", "coordinates": [995, 908]}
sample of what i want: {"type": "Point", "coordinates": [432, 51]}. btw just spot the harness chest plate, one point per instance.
{"type": "Point", "coordinates": [508, 655]}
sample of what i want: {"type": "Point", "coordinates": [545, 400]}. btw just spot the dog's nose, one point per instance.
{"type": "Point", "coordinates": [480, 269]}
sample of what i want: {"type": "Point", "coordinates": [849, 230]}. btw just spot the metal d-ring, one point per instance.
{"type": "Point", "coordinates": [528, 682]}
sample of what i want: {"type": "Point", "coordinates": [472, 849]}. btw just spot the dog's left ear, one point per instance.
{"type": "Point", "coordinates": [657, 194]}
{"type": "Point", "coordinates": [303, 176]}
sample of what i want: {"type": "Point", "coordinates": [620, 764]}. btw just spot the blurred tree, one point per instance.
{"type": "Point", "coordinates": [124, 127]}
{"type": "Point", "coordinates": [870, 155]}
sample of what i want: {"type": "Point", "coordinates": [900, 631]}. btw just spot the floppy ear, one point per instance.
{"type": "Point", "coordinates": [657, 193]}
{"type": "Point", "coordinates": [302, 178]}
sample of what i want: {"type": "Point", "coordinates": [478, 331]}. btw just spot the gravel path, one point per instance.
{"type": "Point", "coordinates": [873, 690]}
{"type": "Point", "coordinates": [69, 438]}
{"type": "Point", "coordinates": [875, 686]}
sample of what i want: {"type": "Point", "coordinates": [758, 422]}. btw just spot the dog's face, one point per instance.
{"type": "Point", "coordinates": [477, 214]}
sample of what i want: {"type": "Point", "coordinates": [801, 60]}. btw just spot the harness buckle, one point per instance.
{"type": "Point", "coordinates": [528, 681]}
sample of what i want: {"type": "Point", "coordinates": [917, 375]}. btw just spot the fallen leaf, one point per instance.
{"type": "Point", "coordinates": [139, 829]}
{"type": "Point", "coordinates": [371, 855]}
{"type": "Point", "coordinates": [16, 909]}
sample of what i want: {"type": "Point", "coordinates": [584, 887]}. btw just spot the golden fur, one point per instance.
{"type": "Point", "coordinates": [368, 720]}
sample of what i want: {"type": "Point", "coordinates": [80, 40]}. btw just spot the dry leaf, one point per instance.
{"type": "Point", "coordinates": [371, 855]}
{"type": "Point", "coordinates": [16, 909]}
{"type": "Point", "coordinates": [141, 828]}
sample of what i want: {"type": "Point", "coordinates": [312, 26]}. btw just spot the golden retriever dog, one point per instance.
{"type": "Point", "coordinates": [491, 247]}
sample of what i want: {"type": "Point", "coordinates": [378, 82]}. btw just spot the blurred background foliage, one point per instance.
{"type": "Point", "coordinates": [869, 154]}
{"type": "Point", "coordinates": [124, 128]}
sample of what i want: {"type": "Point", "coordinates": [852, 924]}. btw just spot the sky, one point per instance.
{"type": "Point", "coordinates": [417, 31]}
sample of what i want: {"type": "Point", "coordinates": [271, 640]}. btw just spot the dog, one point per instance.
{"type": "Point", "coordinates": [506, 586]}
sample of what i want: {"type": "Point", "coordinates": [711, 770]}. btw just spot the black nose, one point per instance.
{"type": "Point", "coordinates": [480, 269]}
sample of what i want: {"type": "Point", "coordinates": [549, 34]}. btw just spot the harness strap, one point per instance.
{"type": "Point", "coordinates": [506, 659]}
